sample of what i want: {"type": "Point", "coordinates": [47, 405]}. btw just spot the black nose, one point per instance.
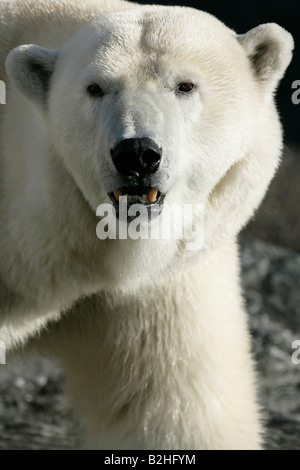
{"type": "Point", "coordinates": [133, 157]}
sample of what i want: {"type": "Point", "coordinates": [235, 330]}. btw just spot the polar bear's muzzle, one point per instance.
{"type": "Point", "coordinates": [137, 159]}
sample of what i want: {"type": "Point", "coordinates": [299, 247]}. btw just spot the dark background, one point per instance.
{"type": "Point", "coordinates": [244, 15]}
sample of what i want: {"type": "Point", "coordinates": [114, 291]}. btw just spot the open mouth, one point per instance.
{"type": "Point", "coordinates": [150, 199]}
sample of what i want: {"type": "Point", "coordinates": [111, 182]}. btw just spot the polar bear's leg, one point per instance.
{"type": "Point", "coordinates": [169, 368]}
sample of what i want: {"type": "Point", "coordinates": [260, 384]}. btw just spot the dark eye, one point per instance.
{"type": "Point", "coordinates": [185, 87]}
{"type": "Point", "coordinates": [95, 90]}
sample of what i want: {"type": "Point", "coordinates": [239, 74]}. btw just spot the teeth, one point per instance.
{"type": "Point", "coordinates": [152, 195]}
{"type": "Point", "coordinates": [117, 194]}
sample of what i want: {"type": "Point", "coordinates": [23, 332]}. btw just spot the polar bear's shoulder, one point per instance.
{"type": "Point", "coordinates": [47, 23]}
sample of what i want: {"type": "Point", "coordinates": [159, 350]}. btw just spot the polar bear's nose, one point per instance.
{"type": "Point", "coordinates": [136, 157]}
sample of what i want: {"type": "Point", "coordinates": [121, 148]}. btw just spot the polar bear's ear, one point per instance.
{"type": "Point", "coordinates": [30, 69]}
{"type": "Point", "coordinates": [269, 49]}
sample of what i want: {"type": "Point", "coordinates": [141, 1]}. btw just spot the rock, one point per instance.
{"type": "Point", "coordinates": [271, 284]}
{"type": "Point", "coordinates": [33, 414]}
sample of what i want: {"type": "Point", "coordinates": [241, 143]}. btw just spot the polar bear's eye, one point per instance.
{"type": "Point", "coordinates": [185, 87]}
{"type": "Point", "coordinates": [95, 90]}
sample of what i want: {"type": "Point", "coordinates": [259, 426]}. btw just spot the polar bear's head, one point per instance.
{"type": "Point", "coordinates": [163, 103]}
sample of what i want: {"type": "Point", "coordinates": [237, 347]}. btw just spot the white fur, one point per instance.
{"type": "Point", "coordinates": [154, 338]}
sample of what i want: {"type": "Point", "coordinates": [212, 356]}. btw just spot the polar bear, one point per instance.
{"type": "Point", "coordinates": [107, 100]}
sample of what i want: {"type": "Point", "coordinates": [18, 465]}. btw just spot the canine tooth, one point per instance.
{"type": "Point", "coordinates": [152, 195]}
{"type": "Point", "coordinates": [117, 194]}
